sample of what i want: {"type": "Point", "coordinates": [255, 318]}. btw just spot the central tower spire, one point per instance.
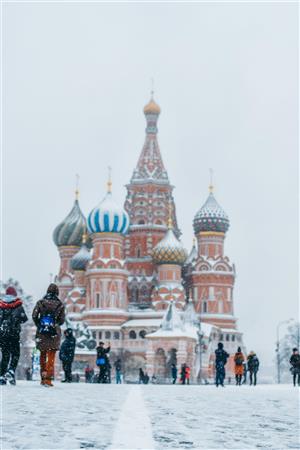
{"type": "Point", "coordinates": [149, 195]}
{"type": "Point", "coordinates": [150, 165]}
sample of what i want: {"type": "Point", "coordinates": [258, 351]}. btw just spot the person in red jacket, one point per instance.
{"type": "Point", "coordinates": [12, 315]}
{"type": "Point", "coordinates": [187, 374]}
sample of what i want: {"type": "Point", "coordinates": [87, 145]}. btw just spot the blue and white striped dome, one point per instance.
{"type": "Point", "coordinates": [108, 217]}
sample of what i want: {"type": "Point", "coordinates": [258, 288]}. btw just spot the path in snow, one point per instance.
{"type": "Point", "coordinates": [161, 417]}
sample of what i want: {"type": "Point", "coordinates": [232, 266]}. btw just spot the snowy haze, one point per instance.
{"type": "Point", "coordinates": [75, 80]}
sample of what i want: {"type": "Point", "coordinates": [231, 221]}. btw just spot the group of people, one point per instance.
{"type": "Point", "coordinates": [49, 315]}
{"type": "Point", "coordinates": [241, 366]}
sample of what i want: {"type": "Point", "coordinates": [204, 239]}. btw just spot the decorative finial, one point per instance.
{"type": "Point", "coordinates": [109, 182]}
{"type": "Point", "coordinates": [211, 186]}
{"type": "Point", "coordinates": [170, 221]}
{"type": "Point", "coordinates": [152, 88]}
{"type": "Point", "coordinates": [84, 235]}
{"type": "Point", "coordinates": [77, 187]}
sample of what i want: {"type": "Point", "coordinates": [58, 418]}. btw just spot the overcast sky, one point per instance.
{"type": "Point", "coordinates": [75, 80]}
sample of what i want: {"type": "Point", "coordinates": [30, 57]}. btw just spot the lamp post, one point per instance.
{"type": "Point", "coordinates": [277, 347]}
{"type": "Point", "coordinates": [200, 335]}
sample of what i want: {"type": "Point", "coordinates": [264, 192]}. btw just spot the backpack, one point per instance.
{"type": "Point", "coordinates": [239, 361]}
{"type": "Point", "coordinates": [47, 323]}
{"type": "Point", "coordinates": [6, 325]}
{"type": "Point", "coordinates": [100, 361]}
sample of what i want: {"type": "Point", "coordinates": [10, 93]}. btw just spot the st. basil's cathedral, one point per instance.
{"type": "Point", "coordinates": [126, 278]}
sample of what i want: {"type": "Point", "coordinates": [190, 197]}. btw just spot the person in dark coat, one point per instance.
{"type": "Point", "coordinates": [118, 369]}
{"type": "Point", "coordinates": [66, 354]}
{"type": "Point", "coordinates": [103, 363]}
{"type": "Point", "coordinates": [253, 365]}
{"type": "Point", "coordinates": [221, 360]}
{"type": "Point", "coordinates": [12, 315]}
{"type": "Point", "coordinates": [183, 374]}
{"type": "Point", "coordinates": [141, 376]}
{"type": "Point", "coordinates": [48, 315]}
{"type": "Point", "coordinates": [245, 369]}
{"type": "Point", "coordinates": [174, 373]}
{"type": "Point", "coordinates": [295, 363]}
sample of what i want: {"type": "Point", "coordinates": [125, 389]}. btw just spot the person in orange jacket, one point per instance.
{"type": "Point", "coordinates": [187, 374]}
{"type": "Point", "coordinates": [239, 367]}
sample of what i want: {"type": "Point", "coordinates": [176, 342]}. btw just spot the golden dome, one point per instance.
{"type": "Point", "coordinates": [152, 107]}
{"type": "Point", "coordinates": [169, 250]}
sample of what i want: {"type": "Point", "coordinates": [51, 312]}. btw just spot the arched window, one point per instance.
{"type": "Point", "coordinates": [141, 222]}
{"type": "Point", "coordinates": [227, 337]}
{"type": "Point", "coordinates": [144, 293]}
{"type": "Point", "coordinates": [97, 300]}
{"type": "Point", "coordinates": [142, 334]}
{"type": "Point", "coordinates": [204, 307]}
{"type": "Point", "coordinates": [132, 334]}
{"type": "Point", "coordinates": [116, 335]}
{"type": "Point", "coordinates": [138, 252]}
{"type": "Point", "coordinates": [107, 334]}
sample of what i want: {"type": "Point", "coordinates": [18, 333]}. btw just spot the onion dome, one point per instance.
{"type": "Point", "coordinates": [169, 250]}
{"type": "Point", "coordinates": [108, 216]}
{"type": "Point", "coordinates": [211, 217]}
{"type": "Point", "coordinates": [71, 229]}
{"type": "Point", "coordinates": [152, 107]}
{"type": "Point", "coordinates": [82, 257]}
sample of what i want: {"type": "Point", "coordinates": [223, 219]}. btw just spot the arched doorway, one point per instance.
{"type": "Point", "coordinates": [172, 359]}
{"type": "Point", "coordinates": [160, 364]}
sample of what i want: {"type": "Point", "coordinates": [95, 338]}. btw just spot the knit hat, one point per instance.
{"type": "Point", "coordinates": [52, 289]}
{"type": "Point", "coordinates": [11, 291]}
{"type": "Point", "coordinates": [220, 345]}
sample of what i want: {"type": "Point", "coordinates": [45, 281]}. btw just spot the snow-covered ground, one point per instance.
{"type": "Point", "coordinates": [143, 417]}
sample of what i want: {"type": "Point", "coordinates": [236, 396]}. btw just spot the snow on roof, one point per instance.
{"type": "Point", "coordinates": [188, 332]}
{"type": "Point", "coordinates": [104, 327]}
{"type": "Point", "coordinates": [142, 323]}
{"type": "Point", "coordinates": [217, 316]}
{"type": "Point", "coordinates": [229, 330]}
{"type": "Point", "coordinates": [172, 326]}
{"type": "Point", "coordinates": [106, 312]}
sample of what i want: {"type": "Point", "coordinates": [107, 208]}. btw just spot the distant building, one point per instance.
{"type": "Point", "coordinates": [126, 278]}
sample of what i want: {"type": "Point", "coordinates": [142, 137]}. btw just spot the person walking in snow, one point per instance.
{"type": "Point", "coordinates": [66, 354]}
{"type": "Point", "coordinates": [118, 369]}
{"type": "Point", "coordinates": [183, 374]}
{"type": "Point", "coordinates": [48, 315]}
{"type": "Point", "coordinates": [238, 366]}
{"type": "Point", "coordinates": [174, 373]}
{"type": "Point", "coordinates": [245, 369]}
{"type": "Point", "coordinates": [103, 363]}
{"type": "Point", "coordinates": [253, 365]}
{"type": "Point", "coordinates": [295, 363]}
{"type": "Point", "coordinates": [187, 374]}
{"type": "Point", "coordinates": [221, 360]}
{"type": "Point", "coordinates": [141, 376]}
{"type": "Point", "coordinates": [12, 315]}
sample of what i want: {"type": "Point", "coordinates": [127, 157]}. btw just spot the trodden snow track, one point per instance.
{"type": "Point", "coordinates": [145, 417]}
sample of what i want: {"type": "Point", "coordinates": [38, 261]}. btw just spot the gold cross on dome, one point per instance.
{"type": "Point", "coordinates": [109, 182]}
{"type": "Point", "coordinates": [211, 186]}
{"type": "Point", "coordinates": [77, 186]}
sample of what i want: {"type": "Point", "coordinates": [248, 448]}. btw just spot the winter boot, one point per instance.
{"type": "Point", "coordinates": [2, 380]}
{"type": "Point", "coordinates": [10, 376]}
